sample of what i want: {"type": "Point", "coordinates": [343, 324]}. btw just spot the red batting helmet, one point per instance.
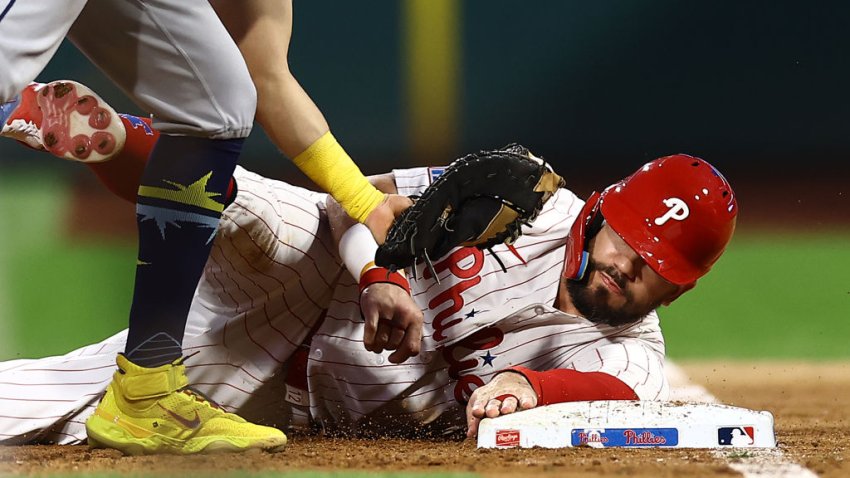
{"type": "Point", "coordinates": [677, 212]}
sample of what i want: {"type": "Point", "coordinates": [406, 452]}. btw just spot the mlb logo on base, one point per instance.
{"type": "Point", "coordinates": [736, 436]}
{"type": "Point", "coordinates": [507, 438]}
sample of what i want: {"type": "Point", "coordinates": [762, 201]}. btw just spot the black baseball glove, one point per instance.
{"type": "Point", "coordinates": [481, 200]}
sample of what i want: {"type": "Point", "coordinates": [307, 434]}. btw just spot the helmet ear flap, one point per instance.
{"type": "Point", "coordinates": [587, 224]}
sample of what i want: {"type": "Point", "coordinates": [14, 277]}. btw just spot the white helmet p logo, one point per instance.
{"type": "Point", "coordinates": [678, 211]}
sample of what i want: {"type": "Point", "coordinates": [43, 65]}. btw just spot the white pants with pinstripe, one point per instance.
{"type": "Point", "coordinates": [267, 283]}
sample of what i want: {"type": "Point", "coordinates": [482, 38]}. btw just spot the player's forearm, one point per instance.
{"type": "Point", "coordinates": [288, 115]}
{"type": "Point", "coordinates": [563, 385]}
{"type": "Point", "coordinates": [297, 127]}
{"type": "Point", "coordinates": [262, 30]}
{"type": "Point", "coordinates": [340, 221]}
{"type": "Point", "coordinates": [355, 243]}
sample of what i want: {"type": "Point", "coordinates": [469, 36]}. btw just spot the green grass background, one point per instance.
{"type": "Point", "coordinates": [773, 295]}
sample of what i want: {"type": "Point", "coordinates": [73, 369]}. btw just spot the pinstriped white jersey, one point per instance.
{"type": "Point", "coordinates": [274, 276]}
{"type": "Point", "coordinates": [478, 320]}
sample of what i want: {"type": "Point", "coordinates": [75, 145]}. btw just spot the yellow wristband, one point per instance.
{"type": "Point", "coordinates": [329, 166]}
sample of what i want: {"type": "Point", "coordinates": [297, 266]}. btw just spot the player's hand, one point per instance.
{"type": "Point", "coordinates": [393, 321]}
{"type": "Point", "coordinates": [381, 218]}
{"type": "Point", "coordinates": [508, 392]}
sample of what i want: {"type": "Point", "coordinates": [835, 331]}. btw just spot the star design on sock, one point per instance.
{"type": "Point", "coordinates": [195, 194]}
{"type": "Point", "coordinates": [162, 217]}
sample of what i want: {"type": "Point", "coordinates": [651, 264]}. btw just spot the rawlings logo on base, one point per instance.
{"type": "Point", "coordinates": [507, 438]}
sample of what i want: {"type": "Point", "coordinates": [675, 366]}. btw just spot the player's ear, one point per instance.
{"type": "Point", "coordinates": [679, 291]}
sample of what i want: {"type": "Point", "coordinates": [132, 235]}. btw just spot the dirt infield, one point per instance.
{"type": "Point", "coordinates": [809, 401]}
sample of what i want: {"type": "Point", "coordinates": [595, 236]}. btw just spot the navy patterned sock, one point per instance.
{"type": "Point", "coordinates": [181, 197]}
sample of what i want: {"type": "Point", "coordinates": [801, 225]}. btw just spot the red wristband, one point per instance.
{"type": "Point", "coordinates": [377, 275]}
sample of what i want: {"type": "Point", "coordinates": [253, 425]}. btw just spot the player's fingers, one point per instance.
{"type": "Point", "coordinates": [474, 413]}
{"type": "Point", "coordinates": [382, 335]}
{"type": "Point", "coordinates": [479, 409]}
{"type": "Point", "coordinates": [476, 406]}
{"type": "Point", "coordinates": [472, 426]}
{"type": "Point", "coordinates": [403, 352]}
{"type": "Point", "coordinates": [492, 408]}
{"type": "Point", "coordinates": [398, 327]}
{"type": "Point", "coordinates": [509, 405]}
{"type": "Point", "coordinates": [396, 336]}
{"type": "Point", "coordinates": [397, 204]}
{"type": "Point", "coordinates": [370, 317]}
{"type": "Point", "coordinates": [381, 218]}
{"type": "Point", "coordinates": [527, 401]}
{"type": "Point", "coordinates": [413, 334]}
{"type": "Point", "coordinates": [410, 344]}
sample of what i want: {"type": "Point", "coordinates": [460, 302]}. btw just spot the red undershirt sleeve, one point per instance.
{"type": "Point", "coordinates": [563, 385]}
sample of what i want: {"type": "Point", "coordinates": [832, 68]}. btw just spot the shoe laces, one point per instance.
{"type": "Point", "coordinates": [23, 130]}
{"type": "Point", "coordinates": [201, 398]}
{"type": "Point", "coordinates": [20, 126]}
{"type": "Point", "coordinates": [194, 394]}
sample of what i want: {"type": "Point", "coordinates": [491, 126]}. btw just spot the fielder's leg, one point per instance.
{"type": "Point", "coordinates": [31, 33]}
{"type": "Point", "coordinates": [272, 243]}
{"type": "Point", "coordinates": [176, 60]}
{"type": "Point", "coordinates": [70, 121]}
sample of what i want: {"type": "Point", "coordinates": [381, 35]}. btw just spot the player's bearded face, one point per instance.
{"type": "Point", "coordinates": [618, 287]}
{"type": "Point", "coordinates": [595, 302]}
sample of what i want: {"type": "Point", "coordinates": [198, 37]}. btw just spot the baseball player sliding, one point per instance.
{"type": "Point", "coordinates": [291, 325]}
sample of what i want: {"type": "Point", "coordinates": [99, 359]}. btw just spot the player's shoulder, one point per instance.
{"type": "Point", "coordinates": [648, 331]}
{"type": "Point", "coordinates": [557, 215]}
{"type": "Point", "coordinates": [566, 201]}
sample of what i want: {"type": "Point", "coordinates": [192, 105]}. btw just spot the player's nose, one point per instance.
{"type": "Point", "coordinates": [628, 262]}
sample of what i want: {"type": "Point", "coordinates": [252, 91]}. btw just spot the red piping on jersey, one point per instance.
{"type": "Point", "coordinates": [516, 253]}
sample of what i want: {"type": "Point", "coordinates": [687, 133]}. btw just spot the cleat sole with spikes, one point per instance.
{"type": "Point", "coordinates": [77, 124]}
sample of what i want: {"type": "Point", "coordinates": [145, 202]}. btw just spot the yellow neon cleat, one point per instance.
{"type": "Point", "coordinates": [150, 410]}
